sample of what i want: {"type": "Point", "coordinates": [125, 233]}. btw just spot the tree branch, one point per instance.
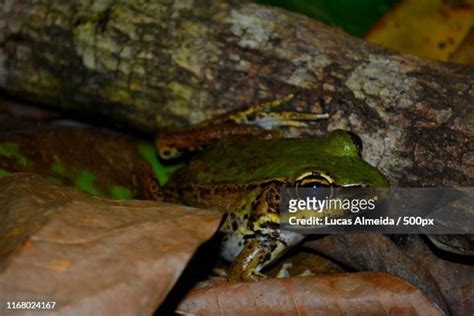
{"type": "Point", "coordinates": [174, 63]}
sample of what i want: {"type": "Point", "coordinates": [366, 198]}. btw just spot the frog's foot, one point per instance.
{"type": "Point", "coordinates": [242, 117]}
{"type": "Point", "coordinates": [260, 115]}
{"type": "Point", "coordinates": [245, 267]}
{"type": "Point", "coordinates": [294, 119]}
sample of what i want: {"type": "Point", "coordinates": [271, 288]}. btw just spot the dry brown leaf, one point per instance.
{"type": "Point", "coordinates": [365, 293]}
{"type": "Point", "coordinates": [376, 252]}
{"type": "Point", "coordinates": [91, 255]}
{"type": "Point", "coordinates": [447, 279]}
{"type": "Point", "coordinates": [302, 261]}
{"type": "Point", "coordinates": [455, 277]}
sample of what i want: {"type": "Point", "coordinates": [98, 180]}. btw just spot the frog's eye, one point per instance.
{"type": "Point", "coordinates": [312, 181]}
{"type": "Point", "coordinates": [356, 141]}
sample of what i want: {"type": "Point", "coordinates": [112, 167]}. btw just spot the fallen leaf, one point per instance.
{"type": "Point", "coordinates": [375, 252]}
{"type": "Point", "coordinates": [122, 260]}
{"type": "Point", "coordinates": [453, 274]}
{"type": "Point", "coordinates": [302, 260]}
{"type": "Point", "coordinates": [464, 54]}
{"type": "Point", "coordinates": [335, 294]}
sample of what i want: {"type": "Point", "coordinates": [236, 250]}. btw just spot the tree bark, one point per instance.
{"type": "Point", "coordinates": [162, 63]}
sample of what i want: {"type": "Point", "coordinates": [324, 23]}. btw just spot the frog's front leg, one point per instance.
{"type": "Point", "coordinates": [246, 264]}
{"type": "Point", "coordinates": [259, 252]}
{"type": "Point", "coordinates": [256, 225]}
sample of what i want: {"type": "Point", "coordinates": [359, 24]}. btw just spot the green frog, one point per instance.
{"type": "Point", "coordinates": [241, 177]}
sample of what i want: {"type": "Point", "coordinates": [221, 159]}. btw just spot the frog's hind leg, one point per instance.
{"type": "Point", "coordinates": [255, 121]}
{"type": "Point", "coordinates": [172, 145]}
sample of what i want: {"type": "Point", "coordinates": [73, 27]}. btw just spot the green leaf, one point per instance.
{"type": "Point", "coordinates": [121, 193]}
{"type": "Point", "coordinates": [354, 17]}
{"type": "Point", "coordinates": [11, 150]}
{"type": "Point", "coordinates": [3, 173]}
{"type": "Point", "coordinates": [85, 181]}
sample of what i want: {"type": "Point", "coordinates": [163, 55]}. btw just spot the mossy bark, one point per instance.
{"type": "Point", "coordinates": [174, 63]}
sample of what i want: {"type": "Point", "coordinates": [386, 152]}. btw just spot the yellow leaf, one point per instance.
{"type": "Point", "coordinates": [464, 54]}
{"type": "Point", "coordinates": [432, 29]}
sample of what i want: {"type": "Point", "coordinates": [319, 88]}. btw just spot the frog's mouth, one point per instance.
{"type": "Point", "coordinates": [265, 218]}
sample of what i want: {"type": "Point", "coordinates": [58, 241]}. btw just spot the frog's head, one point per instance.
{"type": "Point", "coordinates": [334, 163]}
